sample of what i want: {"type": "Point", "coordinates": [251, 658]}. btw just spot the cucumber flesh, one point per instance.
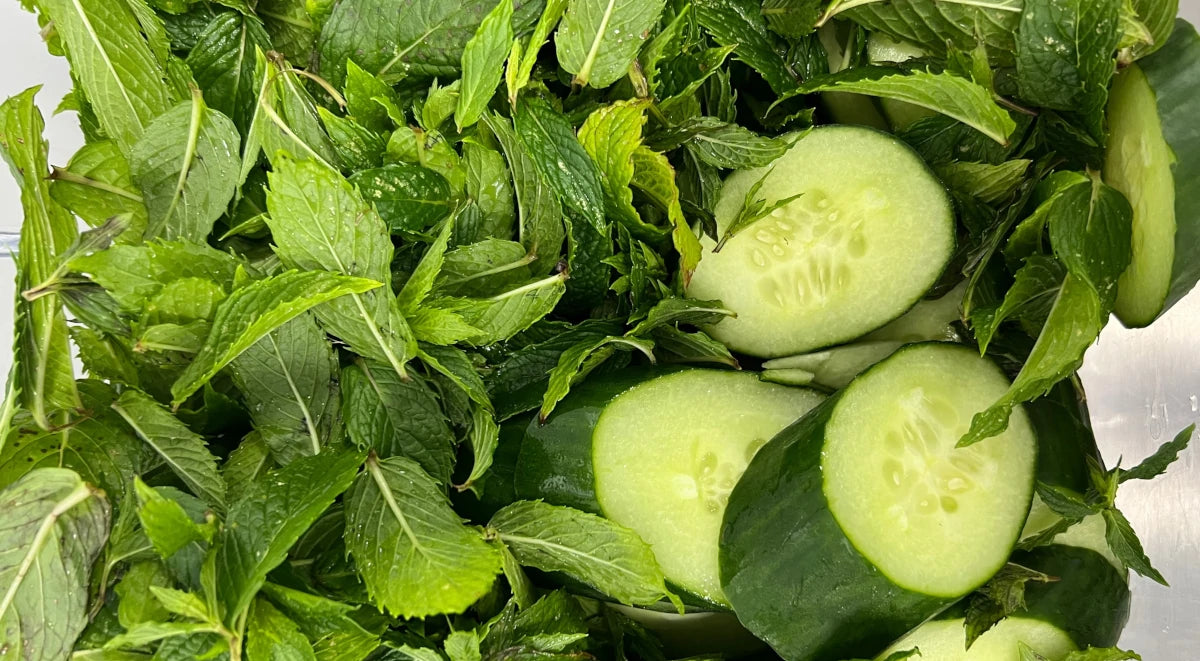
{"type": "Point", "coordinates": [946, 640]}
{"type": "Point", "coordinates": [835, 263]}
{"type": "Point", "coordinates": [1153, 157]}
{"type": "Point", "coordinates": [902, 491]}
{"type": "Point", "coordinates": [861, 520]}
{"type": "Point", "coordinates": [666, 454]}
{"type": "Point", "coordinates": [1138, 164]}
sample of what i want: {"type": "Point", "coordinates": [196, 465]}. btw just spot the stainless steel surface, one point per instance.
{"type": "Point", "coordinates": [1143, 385]}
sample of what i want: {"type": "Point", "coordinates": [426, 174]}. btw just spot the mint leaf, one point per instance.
{"type": "Point", "coordinates": [946, 93]}
{"type": "Point", "coordinates": [137, 605]}
{"type": "Point", "coordinates": [541, 219]}
{"type": "Point", "coordinates": [269, 519]}
{"type": "Point", "coordinates": [675, 346]}
{"type": "Point", "coordinates": [517, 75]}
{"type": "Point", "coordinates": [245, 465]}
{"type": "Point", "coordinates": [611, 135]}
{"type": "Point", "coordinates": [100, 447]}
{"type": "Point", "coordinates": [482, 63]}
{"type": "Point", "coordinates": [186, 185]}
{"type": "Point", "coordinates": [393, 417]}
{"type": "Point", "coordinates": [420, 283]}
{"type": "Point", "coordinates": [730, 146]}
{"type": "Point", "coordinates": [44, 372]}
{"type": "Point", "coordinates": [255, 310]}
{"type": "Point", "coordinates": [185, 452]}
{"type": "Point", "coordinates": [599, 39]}
{"type": "Point", "coordinates": [1073, 325]}
{"type": "Point", "coordinates": [670, 311]}
{"type": "Point", "coordinates": [414, 553]}
{"type": "Point", "coordinates": [97, 185]}
{"type": "Point", "coordinates": [288, 379]}
{"type": "Point", "coordinates": [328, 623]}
{"type": "Point", "coordinates": [490, 191]}
{"type": "Point", "coordinates": [133, 275]}
{"type": "Point", "coordinates": [1035, 285]}
{"type": "Point", "coordinates": [655, 178]}
{"type": "Point", "coordinates": [427, 40]}
{"type": "Point", "coordinates": [271, 635]}
{"type": "Point", "coordinates": [52, 528]}
{"type": "Point", "coordinates": [1065, 502]}
{"type": "Point", "coordinates": [166, 524]}
{"type": "Point", "coordinates": [1000, 597]}
{"type": "Point", "coordinates": [123, 80]}
{"type": "Point", "coordinates": [1065, 56]}
{"type": "Point", "coordinates": [182, 603]}
{"type": "Point", "coordinates": [1126, 546]}
{"type": "Point", "coordinates": [579, 360]}
{"type": "Point", "coordinates": [609, 557]}
{"type": "Point", "coordinates": [409, 198]}
{"type": "Point", "coordinates": [989, 183]}
{"type": "Point", "coordinates": [1090, 231]}
{"type": "Point", "coordinates": [564, 164]}
{"type": "Point", "coordinates": [792, 18]}
{"type": "Point", "coordinates": [484, 439]}
{"type": "Point", "coordinates": [357, 147]}
{"type": "Point", "coordinates": [935, 25]}
{"type": "Point", "coordinates": [285, 119]}
{"type": "Point", "coordinates": [503, 315]}
{"type": "Point", "coordinates": [740, 24]}
{"type": "Point", "coordinates": [345, 236]}
{"type": "Point", "coordinates": [1157, 463]}
{"type": "Point", "coordinates": [223, 61]}
{"type": "Point", "coordinates": [369, 100]}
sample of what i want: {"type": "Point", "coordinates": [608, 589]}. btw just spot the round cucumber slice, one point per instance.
{"type": "Point", "coordinates": [924, 494]}
{"type": "Point", "coordinates": [837, 262]}
{"type": "Point", "coordinates": [666, 454]}
{"type": "Point", "coordinates": [945, 640]}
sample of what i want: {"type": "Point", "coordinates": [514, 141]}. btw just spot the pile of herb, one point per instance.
{"type": "Point", "coordinates": [338, 252]}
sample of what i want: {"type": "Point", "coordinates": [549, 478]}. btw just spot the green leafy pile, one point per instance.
{"type": "Point", "coordinates": [333, 246]}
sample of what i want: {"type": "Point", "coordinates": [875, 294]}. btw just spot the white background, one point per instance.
{"type": "Point", "coordinates": [1143, 385]}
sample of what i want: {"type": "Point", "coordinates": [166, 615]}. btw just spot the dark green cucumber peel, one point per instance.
{"type": "Point", "coordinates": [843, 607]}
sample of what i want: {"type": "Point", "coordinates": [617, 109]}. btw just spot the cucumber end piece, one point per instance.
{"type": "Point", "coordinates": [1139, 164]}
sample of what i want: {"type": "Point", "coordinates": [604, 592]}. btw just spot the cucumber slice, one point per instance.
{"type": "Point", "coordinates": [1153, 158]}
{"type": "Point", "coordinates": [862, 519]}
{"type": "Point", "coordinates": [946, 640]}
{"type": "Point", "coordinates": [659, 453]}
{"type": "Point", "coordinates": [837, 262]}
